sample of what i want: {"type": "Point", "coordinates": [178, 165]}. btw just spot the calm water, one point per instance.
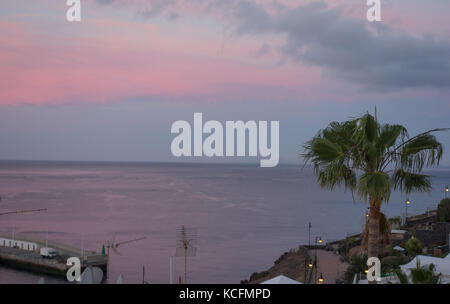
{"type": "Point", "coordinates": [245, 216]}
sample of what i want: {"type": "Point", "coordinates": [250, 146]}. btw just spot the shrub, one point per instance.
{"type": "Point", "coordinates": [414, 247]}
{"type": "Point", "coordinates": [390, 263]}
{"type": "Point", "coordinates": [395, 221]}
{"type": "Point", "coordinates": [443, 211]}
{"type": "Point", "coordinates": [424, 274]}
{"type": "Point", "coordinates": [357, 266]}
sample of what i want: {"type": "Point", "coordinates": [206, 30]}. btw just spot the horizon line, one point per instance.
{"type": "Point", "coordinates": [208, 162]}
{"type": "Point", "coordinates": [300, 164]}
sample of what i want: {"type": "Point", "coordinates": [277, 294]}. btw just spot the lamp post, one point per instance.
{"type": "Point", "coordinates": [406, 209]}
{"type": "Point", "coordinates": [446, 191]}
{"type": "Point", "coordinates": [309, 235]}
{"type": "Point", "coordinates": [321, 279]}
{"type": "Point", "coordinates": [318, 239]}
{"type": "Point", "coordinates": [310, 265]}
{"type": "Point", "coordinates": [309, 247]}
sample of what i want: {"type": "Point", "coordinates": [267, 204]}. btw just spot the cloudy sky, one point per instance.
{"type": "Point", "coordinates": [109, 87]}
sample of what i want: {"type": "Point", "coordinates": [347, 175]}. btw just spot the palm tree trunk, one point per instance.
{"type": "Point", "coordinates": [373, 245]}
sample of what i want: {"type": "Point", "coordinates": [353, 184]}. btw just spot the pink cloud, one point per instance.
{"type": "Point", "coordinates": [102, 67]}
{"type": "Point", "coordinates": [104, 59]}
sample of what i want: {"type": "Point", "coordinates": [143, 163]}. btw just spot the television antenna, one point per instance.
{"type": "Point", "coordinates": [113, 245]}
{"type": "Point", "coordinates": [186, 239]}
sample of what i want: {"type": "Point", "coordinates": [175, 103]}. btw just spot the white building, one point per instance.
{"type": "Point", "coordinates": [281, 279]}
{"type": "Point", "coordinates": [7, 242]}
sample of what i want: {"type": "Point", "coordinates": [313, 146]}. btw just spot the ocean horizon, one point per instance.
{"type": "Point", "coordinates": [245, 216]}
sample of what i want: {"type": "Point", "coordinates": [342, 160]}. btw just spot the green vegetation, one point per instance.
{"type": "Point", "coordinates": [348, 243]}
{"type": "Point", "coordinates": [414, 247]}
{"type": "Point", "coordinates": [395, 221]}
{"type": "Point", "coordinates": [402, 277]}
{"type": "Point", "coordinates": [391, 263]}
{"type": "Point", "coordinates": [424, 275]}
{"type": "Point", "coordinates": [443, 211]}
{"type": "Point", "coordinates": [419, 275]}
{"type": "Point", "coordinates": [357, 266]}
{"type": "Point", "coordinates": [372, 159]}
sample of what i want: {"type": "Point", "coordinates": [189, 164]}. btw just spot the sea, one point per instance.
{"type": "Point", "coordinates": [241, 217]}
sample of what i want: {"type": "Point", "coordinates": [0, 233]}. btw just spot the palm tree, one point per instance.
{"type": "Point", "coordinates": [384, 237]}
{"type": "Point", "coordinates": [371, 159]}
{"type": "Point", "coordinates": [424, 274]}
{"type": "Point", "coordinates": [419, 275]}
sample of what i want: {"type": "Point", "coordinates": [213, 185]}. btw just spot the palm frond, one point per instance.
{"type": "Point", "coordinates": [396, 155]}
{"type": "Point", "coordinates": [336, 174]}
{"type": "Point", "coordinates": [408, 181]}
{"type": "Point", "coordinates": [422, 150]}
{"type": "Point", "coordinates": [368, 128]}
{"type": "Point", "coordinates": [376, 185]}
{"type": "Point", "coordinates": [389, 136]}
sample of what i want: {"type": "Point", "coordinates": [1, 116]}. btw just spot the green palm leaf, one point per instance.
{"type": "Point", "coordinates": [373, 159]}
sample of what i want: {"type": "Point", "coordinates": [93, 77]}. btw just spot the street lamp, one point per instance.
{"type": "Point", "coordinates": [407, 202]}
{"type": "Point", "coordinates": [406, 208]}
{"type": "Point", "coordinates": [318, 239]}
{"type": "Point", "coordinates": [446, 190]}
{"type": "Point", "coordinates": [309, 247]}
{"type": "Point", "coordinates": [321, 279]}
{"type": "Point", "coordinates": [310, 265]}
{"type": "Point", "coordinates": [309, 235]}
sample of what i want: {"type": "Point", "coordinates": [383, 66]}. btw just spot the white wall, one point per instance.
{"type": "Point", "coordinates": [6, 242]}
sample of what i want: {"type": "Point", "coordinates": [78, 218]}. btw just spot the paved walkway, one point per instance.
{"type": "Point", "coordinates": [329, 264]}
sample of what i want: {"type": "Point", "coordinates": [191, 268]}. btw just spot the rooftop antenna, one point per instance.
{"type": "Point", "coordinates": [113, 245]}
{"type": "Point", "coordinates": [186, 239]}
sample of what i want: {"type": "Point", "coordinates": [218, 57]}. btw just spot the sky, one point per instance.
{"type": "Point", "coordinates": [109, 87]}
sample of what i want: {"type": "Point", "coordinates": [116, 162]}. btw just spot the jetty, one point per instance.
{"type": "Point", "coordinates": [22, 252]}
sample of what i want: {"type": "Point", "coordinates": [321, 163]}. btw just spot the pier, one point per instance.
{"type": "Point", "coordinates": [22, 252]}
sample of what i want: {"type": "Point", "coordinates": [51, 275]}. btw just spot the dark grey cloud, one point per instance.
{"type": "Point", "coordinates": [372, 55]}
{"type": "Point", "coordinates": [377, 57]}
